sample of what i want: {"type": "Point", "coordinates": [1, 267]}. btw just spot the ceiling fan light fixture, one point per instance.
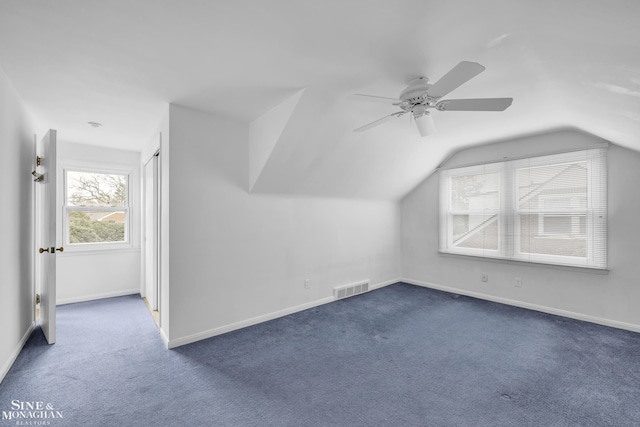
{"type": "Point", "coordinates": [424, 121]}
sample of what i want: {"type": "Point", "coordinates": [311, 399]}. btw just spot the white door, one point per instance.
{"type": "Point", "coordinates": [151, 231]}
{"type": "Point", "coordinates": [46, 206]}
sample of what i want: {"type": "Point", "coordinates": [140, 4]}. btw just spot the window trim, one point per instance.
{"type": "Point", "coordinates": [67, 209]}
{"type": "Point", "coordinates": [508, 217]}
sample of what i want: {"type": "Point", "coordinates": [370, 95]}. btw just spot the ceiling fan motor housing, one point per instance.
{"type": "Point", "coordinates": [416, 92]}
{"type": "Point", "coordinates": [415, 97]}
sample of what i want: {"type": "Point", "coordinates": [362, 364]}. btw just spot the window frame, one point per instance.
{"type": "Point", "coordinates": [449, 212]}
{"type": "Point", "coordinates": [509, 227]}
{"type": "Point", "coordinates": [67, 209]}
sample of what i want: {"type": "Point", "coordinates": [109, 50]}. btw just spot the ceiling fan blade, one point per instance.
{"type": "Point", "coordinates": [379, 121]}
{"type": "Point", "coordinates": [477, 104]}
{"type": "Point", "coordinates": [374, 98]}
{"type": "Point", "coordinates": [457, 76]}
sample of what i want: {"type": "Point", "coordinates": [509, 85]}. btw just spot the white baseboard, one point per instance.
{"type": "Point", "coordinates": [85, 298]}
{"type": "Point", "coordinates": [255, 320]}
{"type": "Point", "coordinates": [383, 284]}
{"type": "Point", "coordinates": [164, 337]}
{"type": "Point", "coordinates": [244, 323]}
{"type": "Point", "coordinates": [544, 309]}
{"type": "Point", "coordinates": [16, 351]}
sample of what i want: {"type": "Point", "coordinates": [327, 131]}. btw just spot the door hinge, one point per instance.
{"type": "Point", "coordinates": [37, 298]}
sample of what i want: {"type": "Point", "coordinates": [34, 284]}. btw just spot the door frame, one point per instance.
{"type": "Point", "coordinates": [153, 297]}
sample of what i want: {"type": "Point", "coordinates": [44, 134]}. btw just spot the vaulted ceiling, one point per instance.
{"type": "Point", "coordinates": [570, 63]}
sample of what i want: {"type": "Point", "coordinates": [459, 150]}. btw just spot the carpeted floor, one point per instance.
{"type": "Point", "coordinates": [398, 356]}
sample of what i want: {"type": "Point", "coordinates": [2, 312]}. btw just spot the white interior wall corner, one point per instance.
{"type": "Point", "coordinates": [238, 256]}
{"type": "Point", "coordinates": [264, 133]}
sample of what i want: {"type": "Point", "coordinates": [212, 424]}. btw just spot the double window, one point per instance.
{"type": "Point", "coordinates": [96, 209]}
{"type": "Point", "coordinates": [548, 209]}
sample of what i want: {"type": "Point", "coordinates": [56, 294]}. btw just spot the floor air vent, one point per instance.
{"type": "Point", "coordinates": [350, 290]}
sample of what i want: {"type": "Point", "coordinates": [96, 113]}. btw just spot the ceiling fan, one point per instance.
{"type": "Point", "coordinates": [420, 96]}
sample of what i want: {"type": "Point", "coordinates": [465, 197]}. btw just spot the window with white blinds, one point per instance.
{"type": "Point", "coordinates": [548, 209]}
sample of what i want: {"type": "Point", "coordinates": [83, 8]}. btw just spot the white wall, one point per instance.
{"type": "Point", "coordinates": [17, 153]}
{"type": "Point", "coordinates": [602, 298]}
{"type": "Point", "coordinates": [87, 275]}
{"type": "Point", "coordinates": [237, 258]}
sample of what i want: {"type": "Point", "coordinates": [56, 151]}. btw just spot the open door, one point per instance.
{"type": "Point", "coordinates": [46, 234]}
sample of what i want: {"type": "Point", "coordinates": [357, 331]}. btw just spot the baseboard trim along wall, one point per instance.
{"type": "Point", "coordinates": [259, 319]}
{"type": "Point", "coordinates": [16, 351]}
{"type": "Point", "coordinates": [244, 323]}
{"type": "Point", "coordinates": [164, 337]}
{"type": "Point", "coordinates": [529, 306]}
{"type": "Point", "coordinates": [85, 298]}
{"type": "Point", "coordinates": [383, 284]}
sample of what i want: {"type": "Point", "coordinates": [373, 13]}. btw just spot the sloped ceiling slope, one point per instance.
{"type": "Point", "coordinates": [570, 63]}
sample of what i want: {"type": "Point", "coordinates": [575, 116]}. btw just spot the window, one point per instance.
{"type": "Point", "coordinates": [96, 209]}
{"type": "Point", "coordinates": [548, 209]}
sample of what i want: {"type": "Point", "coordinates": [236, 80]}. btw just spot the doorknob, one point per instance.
{"type": "Point", "coordinates": [51, 250]}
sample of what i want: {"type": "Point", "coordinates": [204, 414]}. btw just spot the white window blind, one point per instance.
{"type": "Point", "coordinates": [548, 209]}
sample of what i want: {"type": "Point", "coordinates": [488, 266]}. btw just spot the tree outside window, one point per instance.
{"type": "Point", "coordinates": [96, 207]}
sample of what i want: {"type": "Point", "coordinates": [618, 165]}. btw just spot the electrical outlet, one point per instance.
{"type": "Point", "coordinates": [518, 282]}
{"type": "Point", "coordinates": [484, 277]}
{"type": "Point", "coordinates": [307, 283]}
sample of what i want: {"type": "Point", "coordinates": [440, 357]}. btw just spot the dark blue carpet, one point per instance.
{"type": "Point", "coordinates": [398, 356]}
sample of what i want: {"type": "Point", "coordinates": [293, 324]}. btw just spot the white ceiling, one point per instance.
{"type": "Point", "coordinates": [566, 63]}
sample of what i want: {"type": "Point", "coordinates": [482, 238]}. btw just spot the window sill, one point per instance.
{"type": "Point", "coordinates": [528, 263]}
